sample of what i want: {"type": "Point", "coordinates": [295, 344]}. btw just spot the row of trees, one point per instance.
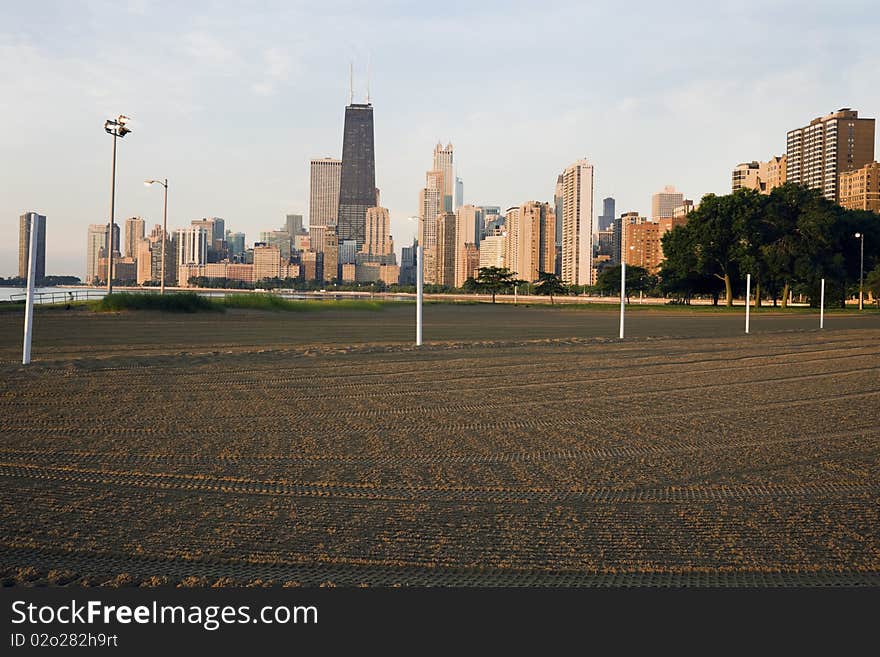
{"type": "Point", "coordinates": [787, 240]}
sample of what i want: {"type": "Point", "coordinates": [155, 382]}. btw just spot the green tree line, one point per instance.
{"type": "Point", "coordinates": [787, 240]}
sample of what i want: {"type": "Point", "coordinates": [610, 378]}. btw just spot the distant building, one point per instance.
{"type": "Point", "coordinates": [830, 145]}
{"type": "Point", "coordinates": [192, 245]}
{"type": "Point", "coordinates": [443, 157]}
{"type": "Point", "coordinates": [577, 223]}
{"type": "Point", "coordinates": [430, 207]}
{"type": "Point", "coordinates": [377, 235]}
{"type": "Point", "coordinates": [408, 264]}
{"type": "Point", "coordinates": [280, 239]}
{"type": "Point", "coordinates": [293, 223]}
{"type": "Point", "coordinates": [24, 245]}
{"type": "Point", "coordinates": [664, 202]}
{"type": "Point", "coordinates": [493, 250]}
{"type": "Point", "coordinates": [330, 257]}
{"type": "Point", "coordinates": [860, 189]}
{"type": "Point", "coordinates": [308, 262]}
{"type": "Point", "coordinates": [348, 251]}
{"type": "Point", "coordinates": [96, 248]}
{"type": "Point", "coordinates": [236, 244]}
{"type": "Point", "coordinates": [134, 233]}
{"type": "Point", "coordinates": [324, 180]}
{"type": "Point", "coordinates": [763, 177]}
{"type": "Point", "coordinates": [531, 240]}
{"type": "Point", "coordinates": [357, 178]}
{"type": "Point", "coordinates": [445, 250]}
{"type": "Point", "coordinates": [608, 213]}
{"type": "Point", "coordinates": [459, 193]}
{"type": "Point", "coordinates": [467, 230]}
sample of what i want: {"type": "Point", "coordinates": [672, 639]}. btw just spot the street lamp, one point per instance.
{"type": "Point", "coordinates": [164, 183]}
{"type": "Point", "coordinates": [117, 129]}
{"type": "Point", "coordinates": [861, 237]}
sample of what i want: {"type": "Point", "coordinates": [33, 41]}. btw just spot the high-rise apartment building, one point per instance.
{"type": "Point", "coordinates": [860, 189]}
{"type": "Point", "coordinates": [531, 240]}
{"type": "Point", "coordinates": [445, 250]}
{"type": "Point", "coordinates": [192, 245]}
{"type": "Point", "coordinates": [466, 229]}
{"type": "Point", "coordinates": [135, 229]}
{"type": "Point", "coordinates": [608, 213]}
{"type": "Point", "coordinates": [830, 145]}
{"type": "Point", "coordinates": [96, 249]}
{"type": "Point", "coordinates": [761, 176]}
{"type": "Point", "coordinates": [324, 178]}
{"type": "Point", "coordinates": [430, 207]}
{"type": "Point", "coordinates": [267, 262]}
{"type": "Point", "coordinates": [443, 164]}
{"type": "Point", "coordinates": [408, 264]}
{"type": "Point", "coordinates": [377, 240]}
{"type": "Point", "coordinates": [24, 245]}
{"type": "Point", "coordinates": [577, 223]}
{"type": "Point", "coordinates": [664, 202]}
{"type": "Point", "coordinates": [493, 251]}
{"type": "Point", "coordinates": [357, 179]}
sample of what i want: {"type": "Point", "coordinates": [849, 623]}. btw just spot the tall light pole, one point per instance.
{"type": "Point", "coordinates": [861, 238]}
{"type": "Point", "coordinates": [117, 129]}
{"type": "Point", "coordinates": [623, 287]}
{"type": "Point", "coordinates": [164, 183]}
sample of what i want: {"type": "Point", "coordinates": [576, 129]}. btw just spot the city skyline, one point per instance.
{"type": "Point", "coordinates": [227, 163]}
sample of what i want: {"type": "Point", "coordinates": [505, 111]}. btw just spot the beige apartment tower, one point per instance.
{"type": "Point", "coordinates": [134, 233]}
{"type": "Point", "coordinates": [763, 177]}
{"type": "Point", "coordinates": [860, 189]}
{"type": "Point", "coordinates": [577, 223]}
{"type": "Point", "coordinates": [818, 153]}
{"type": "Point", "coordinates": [324, 176]}
{"type": "Point", "coordinates": [465, 231]}
{"type": "Point", "coordinates": [531, 240]}
{"type": "Point", "coordinates": [377, 239]}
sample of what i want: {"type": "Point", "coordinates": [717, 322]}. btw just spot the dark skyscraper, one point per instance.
{"type": "Point", "coordinates": [357, 185]}
{"type": "Point", "coordinates": [607, 215]}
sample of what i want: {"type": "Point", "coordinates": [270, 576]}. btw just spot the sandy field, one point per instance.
{"type": "Point", "coordinates": [520, 446]}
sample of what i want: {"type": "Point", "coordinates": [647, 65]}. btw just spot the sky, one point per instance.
{"type": "Point", "coordinates": [230, 101]}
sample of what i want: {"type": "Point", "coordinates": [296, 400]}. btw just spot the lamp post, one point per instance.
{"type": "Point", "coordinates": [623, 287]}
{"type": "Point", "coordinates": [117, 129]}
{"type": "Point", "coordinates": [164, 183]}
{"type": "Point", "coordinates": [861, 238]}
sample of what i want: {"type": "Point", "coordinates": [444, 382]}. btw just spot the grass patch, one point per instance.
{"type": "Point", "coordinates": [179, 302]}
{"type": "Point", "coordinates": [277, 303]}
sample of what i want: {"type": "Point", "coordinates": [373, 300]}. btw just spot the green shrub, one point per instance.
{"type": "Point", "coordinates": [178, 302]}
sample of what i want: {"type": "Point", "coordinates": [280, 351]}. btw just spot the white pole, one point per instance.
{"type": "Point", "coordinates": [515, 293]}
{"type": "Point", "coordinates": [420, 279]}
{"type": "Point", "coordinates": [29, 304]}
{"type": "Point", "coordinates": [748, 298]}
{"type": "Point", "coordinates": [622, 293]}
{"type": "Point", "coordinates": [822, 305]}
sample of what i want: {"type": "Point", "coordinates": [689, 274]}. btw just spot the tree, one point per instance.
{"type": "Point", "coordinates": [549, 283]}
{"type": "Point", "coordinates": [716, 242]}
{"type": "Point", "coordinates": [680, 275]}
{"type": "Point", "coordinates": [494, 280]}
{"type": "Point", "coordinates": [637, 280]}
{"type": "Point", "coordinates": [872, 284]}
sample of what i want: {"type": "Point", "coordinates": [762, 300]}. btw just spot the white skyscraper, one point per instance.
{"type": "Point", "coordinates": [324, 195]}
{"type": "Point", "coordinates": [577, 223]}
{"type": "Point", "coordinates": [443, 163]}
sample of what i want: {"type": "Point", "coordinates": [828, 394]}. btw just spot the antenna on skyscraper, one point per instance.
{"type": "Point", "coordinates": [368, 79]}
{"type": "Point", "coordinates": [350, 82]}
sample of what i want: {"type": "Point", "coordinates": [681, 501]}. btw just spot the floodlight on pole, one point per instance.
{"type": "Point", "coordinates": [164, 183]}
{"type": "Point", "coordinates": [118, 130]}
